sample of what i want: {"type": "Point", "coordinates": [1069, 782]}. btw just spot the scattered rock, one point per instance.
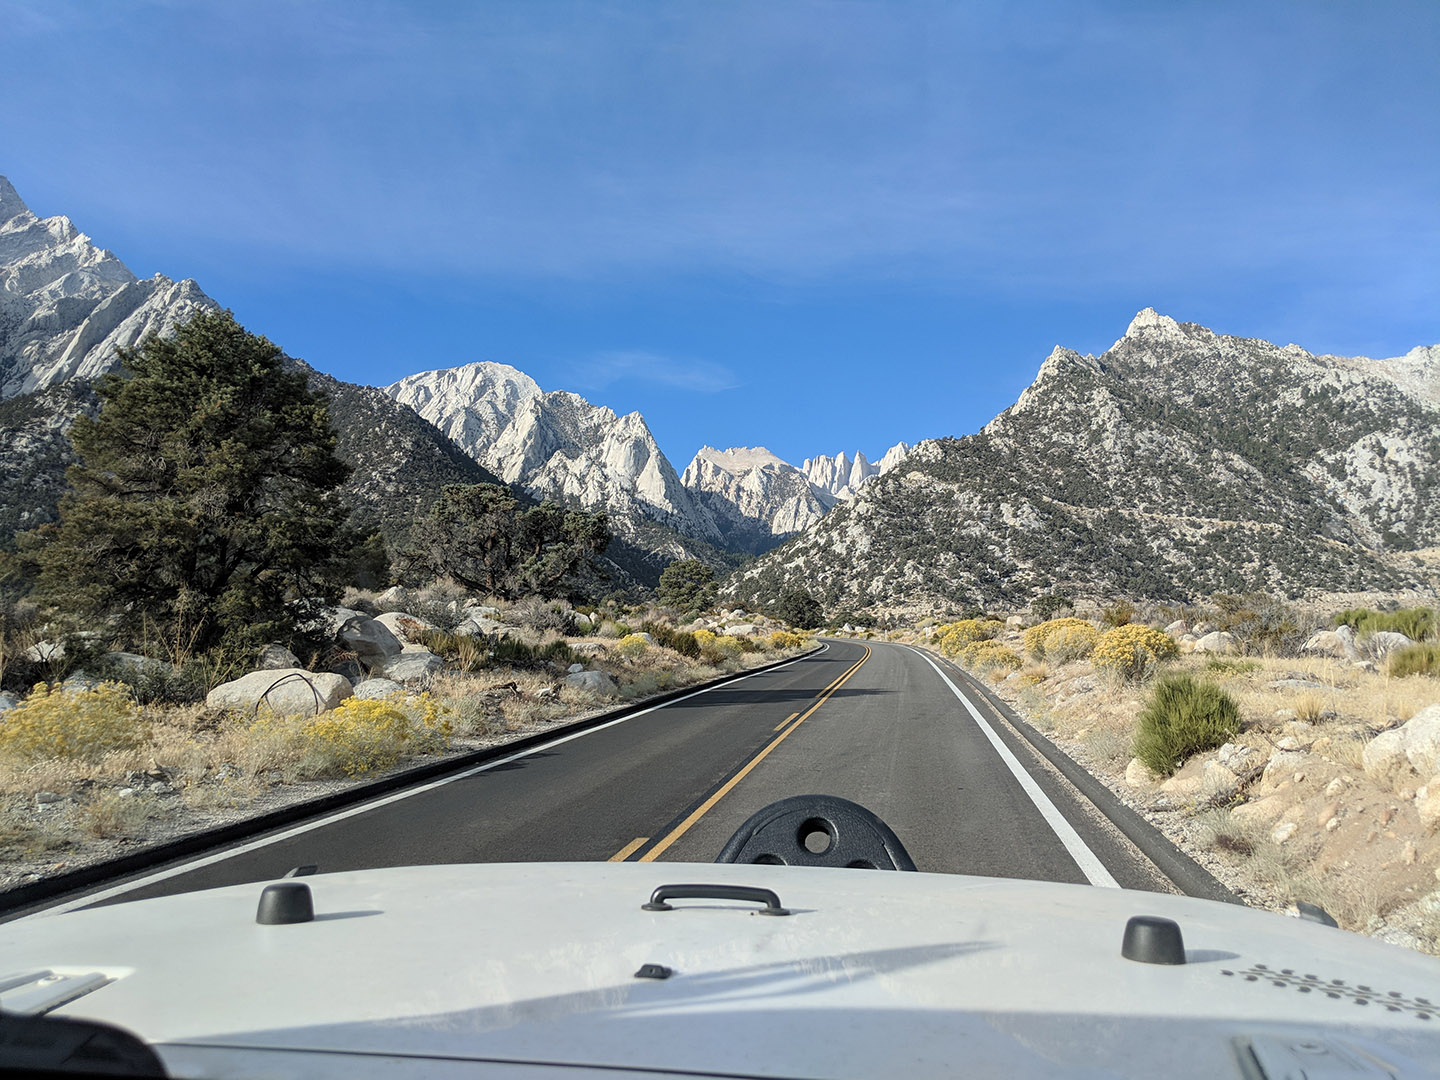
{"type": "Point", "coordinates": [1408, 853]}
{"type": "Point", "coordinates": [1178, 627]}
{"type": "Point", "coordinates": [480, 626]}
{"type": "Point", "coordinates": [276, 656]}
{"type": "Point", "coordinates": [80, 681]}
{"type": "Point", "coordinates": [1202, 627]}
{"type": "Point", "coordinates": [1183, 786]}
{"type": "Point", "coordinates": [1278, 769]}
{"type": "Point", "coordinates": [1014, 622]}
{"type": "Point", "coordinates": [1218, 782]}
{"type": "Point", "coordinates": [339, 616]}
{"type": "Point", "coordinates": [573, 668]}
{"type": "Point", "coordinates": [650, 640]}
{"type": "Point", "coordinates": [1384, 642]}
{"type": "Point", "coordinates": [377, 689]}
{"type": "Point", "coordinates": [405, 627]}
{"type": "Point", "coordinates": [1241, 760]}
{"type": "Point", "coordinates": [290, 692]}
{"type": "Point", "coordinates": [8, 701]}
{"type": "Point", "coordinates": [371, 641]}
{"type": "Point", "coordinates": [1427, 803]}
{"type": "Point", "coordinates": [1364, 665]}
{"type": "Point", "coordinates": [1289, 742]}
{"type": "Point", "coordinates": [740, 629]}
{"type": "Point", "coordinates": [1415, 745]}
{"type": "Point", "coordinates": [45, 651]}
{"type": "Point", "coordinates": [1338, 642]}
{"type": "Point", "coordinates": [1297, 684]}
{"type": "Point", "coordinates": [597, 682]}
{"type": "Point", "coordinates": [1138, 774]}
{"type": "Point", "coordinates": [158, 788]}
{"type": "Point", "coordinates": [1261, 810]}
{"type": "Point", "coordinates": [545, 692]}
{"type": "Point", "coordinates": [1335, 787]}
{"type": "Point", "coordinates": [45, 798]}
{"type": "Point", "coordinates": [1328, 811]}
{"type": "Point", "coordinates": [227, 772]}
{"type": "Point", "coordinates": [415, 667]}
{"type": "Point", "coordinates": [394, 597]}
{"type": "Point", "coordinates": [1217, 641]}
{"type": "Point", "coordinates": [125, 793]}
{"type": "Point", "coordinates": [1283, 832]}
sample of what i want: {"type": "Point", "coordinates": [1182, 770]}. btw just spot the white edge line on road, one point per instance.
{"type": "Point", "coordinates": [1088, 862]}
{"type": "Point", "coordinates": [385, 800]}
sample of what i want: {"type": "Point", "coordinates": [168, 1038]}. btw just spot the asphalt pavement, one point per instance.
{"type": "Point", "coordinates": [887, 726]}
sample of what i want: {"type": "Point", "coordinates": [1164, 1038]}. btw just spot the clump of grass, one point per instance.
{"type": "Point", "coordinates": [1419, 659]}
{"type": "Point", "coordinates": [109, 814]}
{"type": "Point", "coordinates": [1183, 716]}
{"type": "Point", "coordinates": [1309, 707]}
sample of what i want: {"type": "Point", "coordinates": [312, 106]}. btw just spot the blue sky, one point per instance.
{"type": "Point", "coordinates": [810, 225]}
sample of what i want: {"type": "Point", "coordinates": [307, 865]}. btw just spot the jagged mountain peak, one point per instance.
{"type": "Point", "coordinates": [67, 306]}
{"type": "Point", "coordinates": [11, 204]}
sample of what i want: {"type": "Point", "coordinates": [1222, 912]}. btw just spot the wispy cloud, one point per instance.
{"type": "Point", "coordinates": [629, 365]}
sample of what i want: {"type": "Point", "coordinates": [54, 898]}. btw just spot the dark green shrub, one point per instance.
{"type": "Point", "coordinates": [1183, 716]}
{"type": "Point", "coordinates": [683, 642]}
{"type": "Point", "coordinates": [1420, 659]}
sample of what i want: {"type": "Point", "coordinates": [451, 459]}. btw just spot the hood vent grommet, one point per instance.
{"type": "Point", "coordinates": [287, 902]}
{"type": "Point", "coordinates": [1150, 939]}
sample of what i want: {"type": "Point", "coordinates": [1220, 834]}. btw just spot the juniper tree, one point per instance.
{"type": "Point", "coordinates": [479, 536]}
{"type": "Point", "coordinates": [202, 511]}
{"type": "Point", "coordinates": [687, 585]}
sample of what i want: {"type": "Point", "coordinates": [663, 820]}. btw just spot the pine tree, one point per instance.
{"type": "Point", "coordinates": [201, 514]}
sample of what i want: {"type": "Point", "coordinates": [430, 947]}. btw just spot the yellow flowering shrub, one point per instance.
{"type": "Point", "coordinates": [359, 735]}
{"type": "Point", "coordinates": [785, 639]}
{"type": "Point", "coordinates": [631, 647]}
{"type": "Point", "coordinates": [84, 724]}
{"type": "Point", "coordinates": [953, 637]}
{"type": "Point", "coordinates": [1061, 640]}
{"type": "Point", "coordinates": [1132, 651]}
{"type": "Point", "coordinates": [717, 647]}
{"type": "Point", "coordinates": [987, 655]}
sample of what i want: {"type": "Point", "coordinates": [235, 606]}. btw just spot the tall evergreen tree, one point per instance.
{"type": "Point", "coordinates": [477, 535]}
{"type": "Point", "coordinates": [202, 511]}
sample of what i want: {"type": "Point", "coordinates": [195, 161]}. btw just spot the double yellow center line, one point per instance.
{"type": "Point", "coordinates": [705, 807]}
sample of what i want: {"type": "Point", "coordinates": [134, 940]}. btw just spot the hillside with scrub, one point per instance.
{"type": "Point", "coordinates": [1292, 750]}
{"type": "Point", "coordinates": [1178, 464]}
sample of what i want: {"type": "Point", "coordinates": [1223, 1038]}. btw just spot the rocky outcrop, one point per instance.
{"type": "Point", "coordinates": [755, 498]}
{"type": "Point", "coordinates": [1179, 464]}
{"type": "Point", "coordinates": [556, 445]}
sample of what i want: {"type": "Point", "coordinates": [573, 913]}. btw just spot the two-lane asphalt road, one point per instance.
{"type": "Point", "coordinates": [884, 725]}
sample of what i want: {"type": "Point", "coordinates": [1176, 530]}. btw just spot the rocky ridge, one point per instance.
{"type": "Point", "coordinates": [1178, 464]}
{"type": "Point", "coordinates": [556, 445]}
{"type": "Point", "coordinates": [755, 497]}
